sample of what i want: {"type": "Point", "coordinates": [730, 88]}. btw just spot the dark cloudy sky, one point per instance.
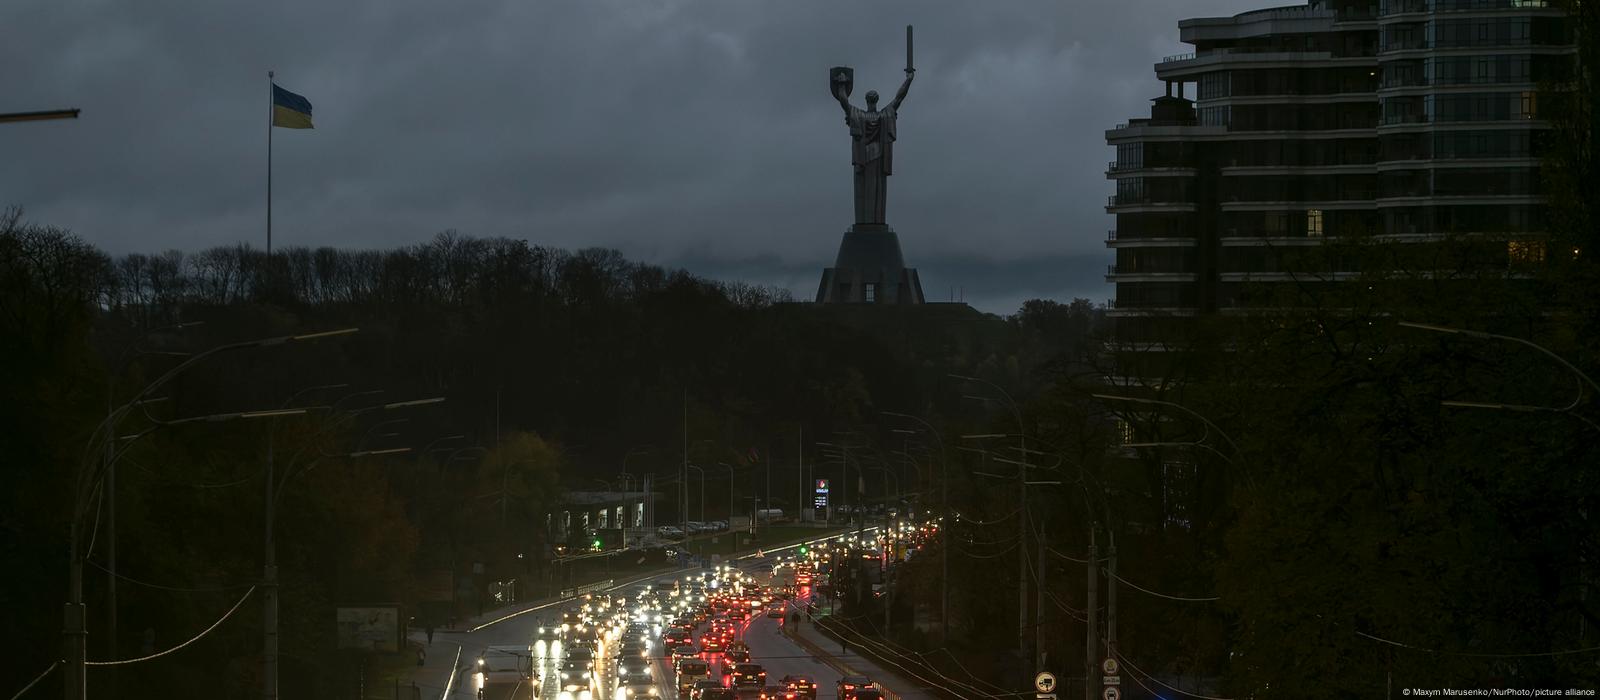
{"type": "Point", "coordinates": [694, 133]}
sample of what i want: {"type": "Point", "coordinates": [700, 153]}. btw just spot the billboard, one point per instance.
{"type": "Point", "coordinates": [820, 500]}
{"type": "Point", "coordinates": [369, 627]}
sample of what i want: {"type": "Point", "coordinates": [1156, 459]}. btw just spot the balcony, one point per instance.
{"type": "Point", "coordinates": [1397, 7]}
{"type": "Point", "coordinates": [1146, 200]}
{"type": "Point", "coordinates": [1111, 235]}
{"type": "Point", "coordinates": [1112, 270]}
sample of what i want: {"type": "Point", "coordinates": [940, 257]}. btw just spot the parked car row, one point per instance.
{"type": "Point", "coordinates": [673, 532]}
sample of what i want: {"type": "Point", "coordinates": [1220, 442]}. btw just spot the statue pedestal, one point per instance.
{"type": "Point", "coordinates": [869, 270]}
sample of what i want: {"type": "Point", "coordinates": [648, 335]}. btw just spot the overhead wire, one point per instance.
{"type": "Point", "coordinates": [1152, 679]}
{"type": "Point", "coordinates": [1076, 614]}
{"type": "Point", "coordinates": [35, 681]}
{"type": "Point", "coordinates": [94, 532]}
{"type": "Point", "coordinates": [191, 640]}
{"type": "Point", "coordinates": [180, 589]}
{"type": "Point", "coordinates": [1480, 655]}
{"type": "Point", "coordinates": [1142, 589]}
{"type": "Point", "coordinates": [976, 521]}
{"type": "Point", "coordinates": [991, 555]}
{"type": "Point", "coordinates": [883, 638]}
{"type": "Point", "coordinates": [862, 641]}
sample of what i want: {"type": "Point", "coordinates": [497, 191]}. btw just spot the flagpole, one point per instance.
{"type": "Point", "coordinates": [269, 164]}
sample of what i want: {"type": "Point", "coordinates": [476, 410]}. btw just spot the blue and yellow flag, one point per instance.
{"type": "Point", "coordinates": [289, 110]}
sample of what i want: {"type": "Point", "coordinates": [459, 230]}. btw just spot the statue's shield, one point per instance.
{"type": "Point", "coordinates": [841, 80]}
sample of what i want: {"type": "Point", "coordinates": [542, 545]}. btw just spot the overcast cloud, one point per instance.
{"type": "Point", "coordinates": [697, 133]}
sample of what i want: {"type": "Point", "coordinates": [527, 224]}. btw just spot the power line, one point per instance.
{"type": "Point", "coordinates": [992, 555]}
{"type": "Point", "coordinates": [1074, 613]}
{"type": "Point", "coordinates": [1479, 655]}
{"type": "Point", "coordinates": [967, 519]}
{"type": "Point", "coordinates": [180, 589]}
{"type": "Point", "coordinates": [1163, 595]}
{"type": "Point", "coordinates": [1152, 679]}
{"type": "Point", "coordinates": [883, 638]}
{"type": "Point", "coordinates": [192, 640]}
{"type": "Point", "coordinates": [35, 681]}
{"type": "Point", "coordinates": [1069, 557]}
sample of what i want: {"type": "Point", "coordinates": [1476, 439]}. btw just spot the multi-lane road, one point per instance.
{"type": "Point", "coordinates": [768, 646]}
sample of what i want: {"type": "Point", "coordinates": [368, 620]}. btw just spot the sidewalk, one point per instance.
{"type": "Point", "coordinates": [441, 658]}
{"type": "Point", "coordinates": [897, 685]}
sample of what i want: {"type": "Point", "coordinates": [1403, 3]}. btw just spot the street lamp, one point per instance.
{"type": "Point", "coordinates": [1584, 382]}
{"type": "Point", "coordinates": [74, 631]}
{"type": "Point", "coordinates": [702, 498]}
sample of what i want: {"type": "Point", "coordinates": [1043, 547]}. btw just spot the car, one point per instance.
{"type": "Point", "coordinates": [801, 685]}
{"type": "Point", "coordinates": [778, 692]}
{"type": "Point", "coordinates": [711, 644]}
{"type": "Point", "coordinates": [700, 687]}
{"type": "Point", "coordinates": [850, 685]}
{"type": "Point", "coordinates": [775, 613]}
{"type": "Point", "coordinates": [576, 675]}
{"type": "Point", "coordinates": [637, 685]}
{"type": "Point", "coordinates": [738, 614]}
{"type": "Point", "coordinates": [633, 662]}
{"type": "Point", "coordinates": [748, 674]}
{"type": "Point", "coordinates": [735, 656]}
{"type": "Point", "coordinates": [683, 651]}
{"type": "Point", "coordinates": [719, 694]}
{"type": "Point", "coordinates": [867, 694]}
{"type": "Point", "coordinates": [691, 672]}
{"type": "Point", "coordinates": [675, 637]}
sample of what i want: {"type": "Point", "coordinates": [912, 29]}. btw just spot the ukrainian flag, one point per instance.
{"type": "Point", "coordinates": [289, 110]}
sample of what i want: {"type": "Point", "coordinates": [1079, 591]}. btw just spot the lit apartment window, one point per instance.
{"type": "Point", "coordinates": [1313, 223]}
{"type": "Point", "coordinates": [1525, 251]}
{"type": "Point", "coordinates": [605, 518]}
{"type": "Point", "coordinates": [1530, 104]}
{"type": "Point", "coordinates": [638, 515]}
{"type": "Point", "coordinates": [1126, 429]}
{"type": "Point", "coordinates": [872, 293]}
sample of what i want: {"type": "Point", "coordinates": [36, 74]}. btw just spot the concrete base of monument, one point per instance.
{"type": "Point", "coordinates": [869, 270]}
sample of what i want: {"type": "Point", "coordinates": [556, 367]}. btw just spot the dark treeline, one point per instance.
{"type": "Point", "coordinates": [556, 368]}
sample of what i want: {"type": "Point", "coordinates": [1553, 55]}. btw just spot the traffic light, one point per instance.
{"type": "Point", "coordinates": [803, 549]}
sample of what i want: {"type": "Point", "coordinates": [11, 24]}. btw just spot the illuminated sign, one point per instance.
{"type": "Point", "coordinates": [820, 500]}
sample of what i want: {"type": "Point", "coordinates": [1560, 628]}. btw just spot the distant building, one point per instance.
{"type": "Point", "coordinates": [1409, 120]}
{"type": "Point", "coordinates": [587, 512]}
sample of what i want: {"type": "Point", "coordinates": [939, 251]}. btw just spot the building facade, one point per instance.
{"type": "Point", "coordinates": [1407, 120]}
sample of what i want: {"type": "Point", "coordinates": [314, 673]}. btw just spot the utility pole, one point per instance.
{"type": "Point", "coordinates": [684, 473]}
{"type": "Point", "coordinates": [111, 554]}
{"type": "Point", "coordinates": [1038, 607]}
{"type": "Point", "coordinates": [269, 588]}
{"type": "Point", "coordinates": [1022, 566]}
{"type": "Point", "coordinates": [1111, 595]}
{"type": "Point", "coordinates": [1091, 640]}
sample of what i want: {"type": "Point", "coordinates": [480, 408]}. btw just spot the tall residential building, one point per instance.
{"type": "Point", "coordinates": [1404, 119]}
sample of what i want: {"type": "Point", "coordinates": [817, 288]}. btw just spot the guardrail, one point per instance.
{"type": "Point", "coordinates": [586, 588]}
